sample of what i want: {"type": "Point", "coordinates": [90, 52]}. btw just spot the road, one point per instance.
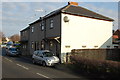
{"type": "Point", "coordinates": [19, 67]}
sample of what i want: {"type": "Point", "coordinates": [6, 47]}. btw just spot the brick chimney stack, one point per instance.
{"type": "Point", "coordinates": [73, 3]}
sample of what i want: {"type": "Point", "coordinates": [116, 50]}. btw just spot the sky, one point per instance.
{"type": "Point", "coordinates": [18, 15]}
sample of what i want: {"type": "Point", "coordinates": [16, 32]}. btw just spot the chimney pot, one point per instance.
{"type": "Point", "coordinates": [73, 3]}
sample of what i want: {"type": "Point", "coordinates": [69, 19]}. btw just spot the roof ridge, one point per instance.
{"type": "Point", "coordinates": [65, 7]}
{"type": "Point", "coordinates": [89, 11]}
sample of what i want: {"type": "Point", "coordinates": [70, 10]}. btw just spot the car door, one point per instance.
{"type": "Point", "coordinates": [37, 56]}
{"type": "Point", "coordinates": [40, 57]}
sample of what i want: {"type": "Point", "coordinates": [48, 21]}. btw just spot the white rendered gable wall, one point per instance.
{"type": "Point", "coordinates": [85, 33]}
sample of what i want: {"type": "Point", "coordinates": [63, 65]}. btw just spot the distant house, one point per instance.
{"type": "Point", "coordinates": [116, 38]}
{"type": "Point", "coordinates": [70, 27]}
{"type": "Point", "coordinates": [5, 40]}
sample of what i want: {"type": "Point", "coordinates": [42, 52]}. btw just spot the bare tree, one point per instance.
{"type": "Point", "coordinates": [15, 37]}
{"type": "Point", "coordinates": [1, 34]}
{"type": "Point", "coordinates": [2, 37]}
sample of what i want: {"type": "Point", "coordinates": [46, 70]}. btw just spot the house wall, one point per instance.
{"type": "Point", "coordinates": [56, 30]}
{"type": "Point", "coordinates": [35, 37]}
{"type": "Point", "coordinates": [85, 33]}
{"type": "Point", "coordinates": [38, 35]}
{"type": "Point", "coordinates": [51, 33]}
{"type": "Point", "coordinates": [25, 34]}
{"type": "Point", "coordinates": [25, 41]}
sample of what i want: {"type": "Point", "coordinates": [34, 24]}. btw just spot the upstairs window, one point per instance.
{"type": "Point", "coordinates": [32, 30]}
{"type": "Point", "coordinates": [42, 26]}
{"type": "Point", "coordinates": [51, 23]}
{"type": "Point", "coordinates": [22, 34]}
{"type": "Point", "coordinates": [25, 33]}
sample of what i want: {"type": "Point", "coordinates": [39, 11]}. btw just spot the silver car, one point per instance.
{"type": "Point", "coordinates": [44, 57]}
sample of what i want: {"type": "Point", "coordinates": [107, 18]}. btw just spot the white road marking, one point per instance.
{"type": "Point", "coordinates": [42, 75]}
{"type": "Point", "coordinates": [22, 66]}
{"type": "Point", "coordinates": [8, 59]}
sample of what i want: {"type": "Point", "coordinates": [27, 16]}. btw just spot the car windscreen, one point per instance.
{"type": "Point", "coordinates": [47, 54]}
{"type": "Point", "coordinates": [12, 49]}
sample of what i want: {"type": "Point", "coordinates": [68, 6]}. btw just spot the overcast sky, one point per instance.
{"type": "Point", "coordinates": [18, 15]}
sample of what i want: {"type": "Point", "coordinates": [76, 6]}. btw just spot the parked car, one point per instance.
{"type": "Point", "coordinates": [45, 57]}
{"type": "Point", "coordinates": [12, 52]}
{"type": "Point", "coordinates": [8, 46]}
{"type": "Point", "coordinates": [3, 45]}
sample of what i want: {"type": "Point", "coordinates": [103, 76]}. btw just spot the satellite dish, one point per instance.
{"type": "Point", "coordinates": [66, 19]}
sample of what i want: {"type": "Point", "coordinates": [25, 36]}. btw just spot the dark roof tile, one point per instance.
{"type": "Point", "coordinates": [77, 10]}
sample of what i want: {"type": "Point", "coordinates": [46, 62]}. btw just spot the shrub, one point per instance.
{"type": "Point", "coordinates": [100, 67]}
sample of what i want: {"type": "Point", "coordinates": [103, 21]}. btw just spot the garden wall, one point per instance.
{"type": "Point", "coordinates": [99, 54]}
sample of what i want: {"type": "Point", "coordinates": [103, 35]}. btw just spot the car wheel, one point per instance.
{"type": "Point", "coordinates": [33, 61]}
{"type": "Point", "coordinates": [43, 63]}
{"type": "Point", "coordinates": [6, 54]}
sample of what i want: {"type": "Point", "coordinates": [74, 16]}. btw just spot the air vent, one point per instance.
{"type": "Point", "coordinates": [66, 19]}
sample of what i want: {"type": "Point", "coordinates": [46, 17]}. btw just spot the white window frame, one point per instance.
{"type": "Point", "coordinates": [51, 43]}
{"type": "Point", "coordinates": [42, 45]}
{"type": "Point", "coordinates": [32, 44]}
{"type": "Point", "coordinates": [42, 26]}
{"type": "Point", "coordinates": [32, 29]}
{"type": "Point", "coordinates": [51, 23]}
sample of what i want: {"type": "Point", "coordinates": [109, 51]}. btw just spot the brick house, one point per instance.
{"type": "Point", "coordinates": [116, 38]}
{"type": "Point", "coordinates": [70, 27]}
{"type": "Point", "coordinates": [25, 37]}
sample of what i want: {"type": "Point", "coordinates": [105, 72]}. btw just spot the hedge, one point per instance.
{"type": "Point", "coordinates": [105, 68]}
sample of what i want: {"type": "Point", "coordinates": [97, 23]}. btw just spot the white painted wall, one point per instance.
{"type": "Point", "coordinates": [82, 31]}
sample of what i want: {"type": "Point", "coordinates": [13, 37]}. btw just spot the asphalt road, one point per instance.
{"type": "Point", "coordinates": [21, 68]}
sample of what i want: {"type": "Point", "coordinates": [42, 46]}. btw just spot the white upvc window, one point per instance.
{"type": "Point", "coordinates": [51, 23]}
{"type": "Point", "coordinates": [42, 45]}
{"type": "Point", "coordinates": [51, 43]}
{"type": "Point", "coordinates": [32, 44]}
{"type": "Point", "coordinates": [23, 33]}
{"type": "Point", "coordinates": [42, 26]}
{"type": "Point", "coordinates": [32, 29]}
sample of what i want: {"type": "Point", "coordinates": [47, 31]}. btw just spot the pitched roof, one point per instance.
{"type": "Point", "coordinates": [80, 11]}
{"type": "Point", "coordinates": [77, 10]}
{"type": "Point", "coordinates": [25, 29]}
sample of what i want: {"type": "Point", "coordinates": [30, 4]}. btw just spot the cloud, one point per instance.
{"type": "Point", "coordinates": [24, 6]}
{"type": "Point", "coordinates": [8, 6]}
{"type": "Point", "coordinates": [39, 10]}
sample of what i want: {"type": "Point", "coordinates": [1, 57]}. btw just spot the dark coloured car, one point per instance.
{"type": "Point", "coordinates": [12, 52]}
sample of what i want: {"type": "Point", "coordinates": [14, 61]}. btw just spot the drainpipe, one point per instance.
{"type": "Point", "coordinates": [45, 31]}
